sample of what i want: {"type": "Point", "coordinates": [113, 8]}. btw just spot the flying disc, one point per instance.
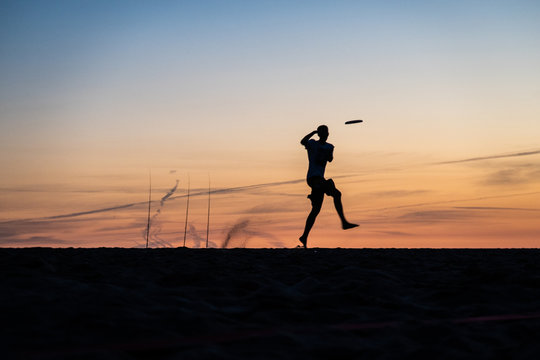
{"type": "Point", "coordinates": [353, 122]}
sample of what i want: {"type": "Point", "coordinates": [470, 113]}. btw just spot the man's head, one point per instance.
{"type": "Point", "coordinates": [322, 131]}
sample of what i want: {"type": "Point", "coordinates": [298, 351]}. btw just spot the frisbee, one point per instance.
{"type": "Point", "coordinates": [353, 122]}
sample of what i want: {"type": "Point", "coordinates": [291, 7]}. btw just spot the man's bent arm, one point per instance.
{"type": "Point", "coordinates": [306, 138]}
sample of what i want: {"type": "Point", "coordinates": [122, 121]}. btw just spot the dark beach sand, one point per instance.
{"type": "Point", "coordinates": [261, 303]}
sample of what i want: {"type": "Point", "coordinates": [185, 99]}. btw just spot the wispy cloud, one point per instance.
{"type": "Point", "coordinates": [393, 233]}
{"type": "Point", "coordinates": [221, 191]}
{"type": "Point", "coordinates": [243, 230]}
{"type": "Point", "coordinates": [506, 174]}
{"type": "Point", "coordinates": [431, 216]}
{"type": "Point", "coordinates": [18, 229]}
{"type": "Point", "coordinates": [236, 230]}
{"type": "Point", "coordinates": [32, 241]}
{"type": "Point", "coordinates": [274, 208]}
{"type": "Point", "coordinates": [515, 175]}
{"type": "Point", "coordinates": [35, 189]}
{"type": "Point", "coordinates": [31, 232]}
{"type": "Point", "coordinates": [7, 233]}
{"type": "Point", "coordinates": [90, 212]}
{"type": "Point", "coordinates": [494, 208]}
{"type": "Point", "coordinates": [397, 193]}
{"type": "Point", "coordinates": [266, 193]}
{"type": "Point", "coordinates": [68, 188]}
{"type": "Point", "coordinates": [442, 202]}
{"type": "Point", "coordinates": [130, 226]}
{"type": "Point", "coordinates": [197, 240]}
{"type": "Point", "coordinates": [261, 186]}
{"type": "Point", "coordinates": [490, 157]}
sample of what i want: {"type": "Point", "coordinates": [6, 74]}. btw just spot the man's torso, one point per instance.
{"type": "Point", "coordinates": [318, 154]}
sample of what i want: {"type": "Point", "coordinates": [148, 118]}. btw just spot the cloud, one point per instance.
{"type": "Point", "coordinates": [222, 191]}
{"type": "Point", "coordinates": [516, 175]}
{"type": "Point", "coordinates": [261, 186]}
{"type": "Point", "coordinates": [236, 230]}
{"type": "Point", "coordinates": [30, 233]}
{"type": "Point", "coordinates": [28, 226]}
{"type": "Point", "coordinates": [32, 241]}
{"type": "Point", "coordinates": [33, 231]}
{"type": "Point", "coordinates": [490, 157]}
{"type": "Point", "coordinates": [90, 211]}
{"type": "Point", "coordinates": [505, 177]}
{"type": "Point", "coordinates": [40, 189]}
{"type": "Point", "coordinates": [242, 231]}
{"type": "Point", "coordinates": [393, 233]}
{"type": "Point", "coordinates": [7, 233]}
{"type": "Point", "coordinates": [398, 193]}
{"type": "Point", "coordinates": [198, 240]}
{"type": "Point", "coordinates": [274, 208]}
{"type": "Point", "coordinates": [266, 192]}
{"type": "Point", "coordinates": [67, 188]}
{"type": "Point", "coordinates": [251, 187]}
{"type": "Point", "coordinates": [130, 226]}
{"type": "Point", "coordinates": [493, 208]}
{"type": "Point", "coordinates": [431, 216]}
{"type": "Point", "coordinates": [455, 201]}
{"type": "Point", "coordinates": [16, 227]}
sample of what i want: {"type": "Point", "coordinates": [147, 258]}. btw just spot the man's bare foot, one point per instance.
{"type": "Point", "coordinates": [303, 240]}
{"type": "Point", "coordinates": [348, 225]}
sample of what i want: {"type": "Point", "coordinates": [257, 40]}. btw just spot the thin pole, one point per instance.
{"type": "Point", "coordinates": [149, 201]}
{"type": "Point", "coordinates": [187, 211]}
{"type": "Point", "coordinates": [208, 220]}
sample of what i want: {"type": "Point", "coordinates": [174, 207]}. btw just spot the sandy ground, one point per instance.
{"type": "Point", "coordinates": [263, 303]}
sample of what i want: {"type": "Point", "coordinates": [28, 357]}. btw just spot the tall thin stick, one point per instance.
{"type": "Point", "coordinates": [208, 220]}
{"type": "Point", "coordinates": [149, 201]}
{"type": "Point", "coordinates": [187, 211]}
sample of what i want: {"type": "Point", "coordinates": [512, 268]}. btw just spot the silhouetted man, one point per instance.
{"type": "Point", "coordinates": [319, 153]}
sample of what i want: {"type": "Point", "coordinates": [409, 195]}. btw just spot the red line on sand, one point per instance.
{"type": "Point", "coordinates": [244, 335]}
{"type": "Point", "coordinates": [496, 318]}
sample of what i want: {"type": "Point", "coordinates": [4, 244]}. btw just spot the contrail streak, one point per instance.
{"type": "Point", "coordinates": [200, 193]}
{"type": "Point", "coordinates": [524, 153]}
{"type": "Point", "coordinates": [157, 228]}
{"type": "Point", "coordinates": [169, 194]}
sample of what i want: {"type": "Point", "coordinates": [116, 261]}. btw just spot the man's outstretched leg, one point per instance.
{"type": "Point", "coordinates": [316, 204]}
{"type": "Point", "coordinates": [336, 194]}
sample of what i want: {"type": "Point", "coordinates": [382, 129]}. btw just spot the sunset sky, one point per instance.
{"type": "Point", "coordinates": [95, 94]}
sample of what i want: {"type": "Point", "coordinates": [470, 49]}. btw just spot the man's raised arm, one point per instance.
{"type": "Point", "coordinates": [306, 138]}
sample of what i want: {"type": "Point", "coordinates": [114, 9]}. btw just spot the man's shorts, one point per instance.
{"type": "Point", "coordinates": [320, 186]}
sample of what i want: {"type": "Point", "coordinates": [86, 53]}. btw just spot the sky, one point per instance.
{"type": "Point", "coordinates": [96, 95]}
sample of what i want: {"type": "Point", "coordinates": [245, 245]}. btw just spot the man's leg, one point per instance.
{"type": "Point", "coordinates": [336, 194]}
{"type": "Point", "coordinates": [316, 204]}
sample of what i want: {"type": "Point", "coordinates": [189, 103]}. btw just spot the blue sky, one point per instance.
{"type": "Point", "coordinates": [104, 90]}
